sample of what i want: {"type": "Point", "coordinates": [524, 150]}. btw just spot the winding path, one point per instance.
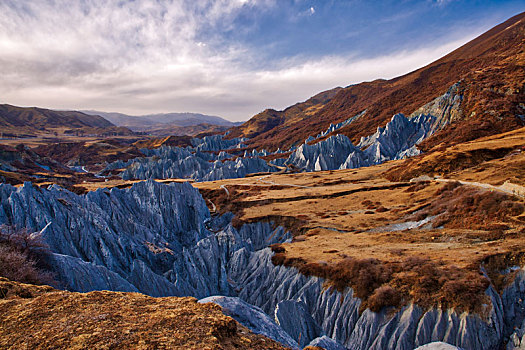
{"type": "Point", "coordinates": [507, 187]}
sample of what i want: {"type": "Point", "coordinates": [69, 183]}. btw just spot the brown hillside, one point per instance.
{"type": "Point", "coordinates": [32, 121]}
{"type": "Point", "coordinates": [34, 317]}
{"type": "Point", "coordinates": [265, 123]}
{"type": "Point", "coordinates": [491, 68]}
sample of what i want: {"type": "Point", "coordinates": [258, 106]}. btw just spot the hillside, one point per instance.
{"type": "Point", "coordinates": [491, 72]}
{"type": "Point", "coordinates": [34, 317]}
{"type": "Point", "coordinates": [33, 121]}
{"type": "Point", "coordinates": [265, 123]}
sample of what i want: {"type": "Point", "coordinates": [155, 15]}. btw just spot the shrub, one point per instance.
{"type": "Point", "coordinates": [382, 297]}
{"type": "Point", "coordinates": [466, 207]}
{"type": "Point", "coordinates": [23, 256]}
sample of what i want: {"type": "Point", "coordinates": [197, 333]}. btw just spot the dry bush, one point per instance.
{"type": "Point", "coordinates": [417, 186]}
{"type": "Point", "coordinates": [467, 292]}
{"type": "Point", "coordinates": [449, 186]}
{"type": "Point", "coordinates": [17, 266]}
{"type": "Point", "coordinates": [277, 248]}
{"type": "Point", "coordinates": [467, 207]}
{"type": "Point", "coordinates": [496, 265]}
{"type": "Point", "coordinates": [23, 256]}
{"type": "Point", "coordinates": [382, 297]}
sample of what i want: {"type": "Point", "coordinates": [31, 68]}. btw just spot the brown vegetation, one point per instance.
{"type": "Point", "coordinates": [459, 206]}
{"type": "Point", "coordinates": [22, 256]}
{"type": "Point", "coordinates": [345, 236]}
{"type": "Point", "coordinates": [32, 122]}
{"type": "Point", "coordinates": [93, 155]}
{"type": "Point", "coordinates": [471, 155]}
{"type": "Point", "coordinates": [33, 317]}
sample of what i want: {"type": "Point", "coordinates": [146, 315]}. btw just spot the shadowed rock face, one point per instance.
{"type": "Point", "coordinates": [326, 343]}
{"type": "Point", "coordinates": [127, 234]}
{"type": "Point", "coordinates": [160, 240]}
{"type": "Point", "coordinates": [252, 317]}
{"type": "Point", "coordinates": [294, 318]}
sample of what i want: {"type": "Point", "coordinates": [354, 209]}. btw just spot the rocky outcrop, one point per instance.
{"type": "Point", "coordinates": [438, 346]}
{"type": "Point", "coordinates": [338, 314]}
{"type": "Point", "coordinates": [445, 108]}
{"type": "Point", "coordinates": [94, 277]}
{"type": "Point", "coordinates": [517, 339]}
{"type": "Point", "coordinates": [216, 143]}
{"type": "Point", "coordinates": [251, 317]}
{"type": "Point", "coordinates": [399, 135]}
{"type": "Point", "coordinates": [326, 343]}
{"type": "Point", "coordinates": [136, 233]}
{"type": "Point", "coordinates": [335, 127]}
{"type": "Point", "coordinates": [174, 162]}
{"type": "Point", "coordinates": [208, 159]}
{"type": "Point", "coordinates": [395, 141]}
{"type": "Point", "coordinates": [294, 318]}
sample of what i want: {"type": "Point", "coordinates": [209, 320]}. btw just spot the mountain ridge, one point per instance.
{"type": "Point", "coordinates": [491, 71]}
{"type": "Point", "coordinates": [32, 121]}
{"type": "Point", "coordinates": [151, 121]}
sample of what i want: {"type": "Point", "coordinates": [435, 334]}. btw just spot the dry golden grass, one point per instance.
{"type": "Point", "coordinates": [33, 317]}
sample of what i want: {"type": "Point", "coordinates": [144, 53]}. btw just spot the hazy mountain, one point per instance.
{"type": "Point", "coordinates": [33, 121]}
{"type": "Point", "coordinates": [156, 123]}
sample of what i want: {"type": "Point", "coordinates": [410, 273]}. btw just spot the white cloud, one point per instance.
{"type": "Point", "coordinates": [148, 56]}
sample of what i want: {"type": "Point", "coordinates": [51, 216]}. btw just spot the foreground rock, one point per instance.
{"type": "Point", "coordinates": [252, 317]}
{"type": "Point", "coordinates": [326, 343]}
{"type": "Point", "coordinates": [438, 346]}
{"type": "Point", "coordinates": [34, 317]}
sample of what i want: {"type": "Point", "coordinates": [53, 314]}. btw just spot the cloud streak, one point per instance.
{"type": "Point", "coordinates": [148, 56]}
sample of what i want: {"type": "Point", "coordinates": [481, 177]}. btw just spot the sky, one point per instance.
{"type": "Point", "coordinates": [231, 58]}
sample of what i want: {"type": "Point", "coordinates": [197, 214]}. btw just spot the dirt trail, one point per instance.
{"type": "Point", "coordinates": [507, 187]}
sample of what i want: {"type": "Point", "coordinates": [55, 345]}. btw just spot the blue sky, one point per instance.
{"type": "Point", "coordinates": [231, 58]}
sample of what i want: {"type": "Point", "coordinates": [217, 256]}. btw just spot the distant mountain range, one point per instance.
{"type": "Point", "coordinates": [32, 121]}
{"type": "Point", "coordinates": [168, 123]}
{"type": "Point", "coordinates": [22, 122]}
